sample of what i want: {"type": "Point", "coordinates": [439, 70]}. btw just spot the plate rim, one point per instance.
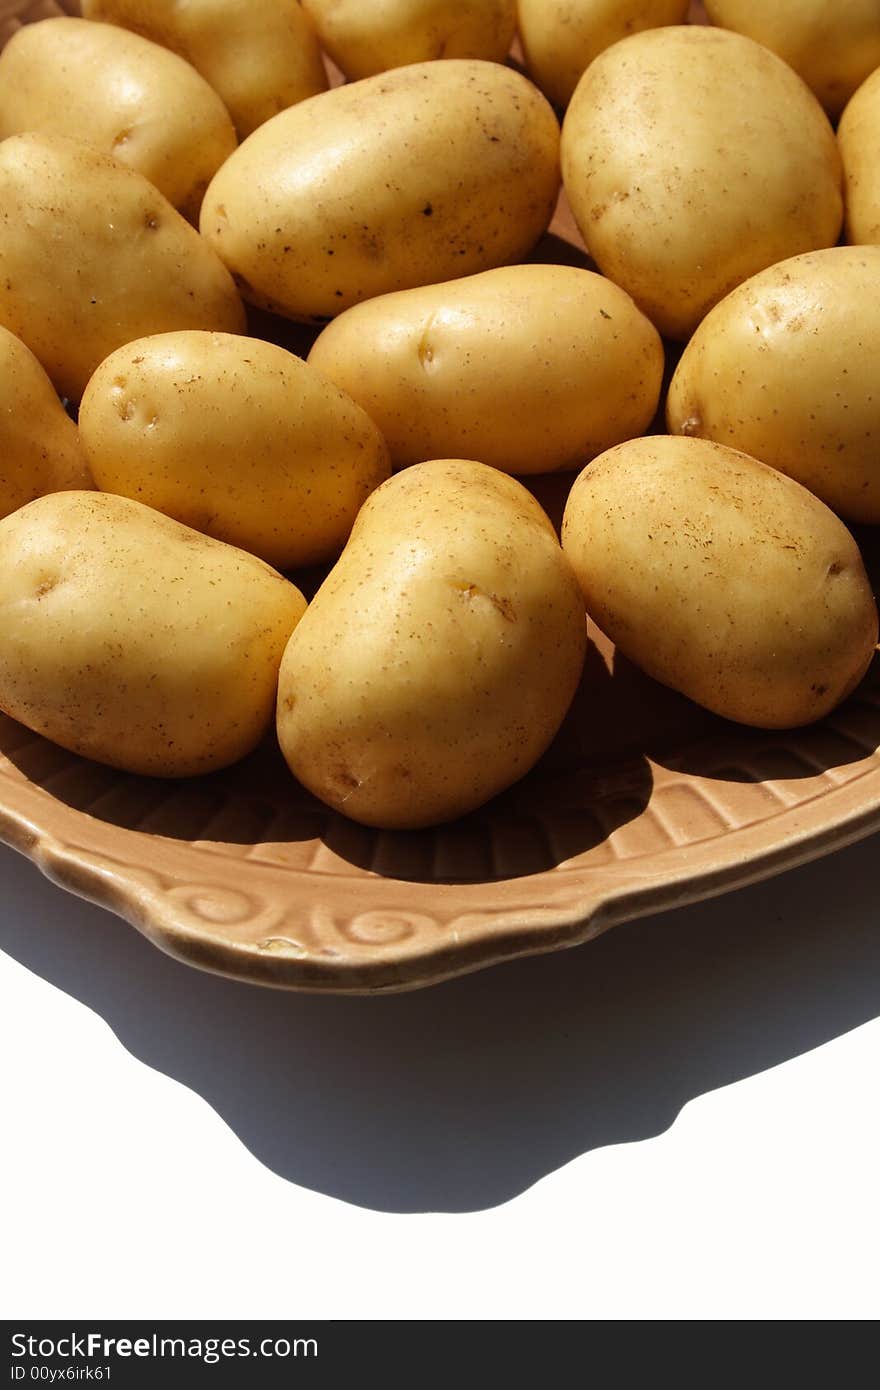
{"type": "Point", "coordinates": [581, 910]}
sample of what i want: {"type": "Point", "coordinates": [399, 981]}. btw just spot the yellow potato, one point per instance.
{"type": "Point", "coordinates": [693, 158]}
{"type": "Point", "coordinates": [785, 368]}
{"type": "Point", "coordinates": [135, 641]}
{"type": "Point", "coordinates": [39, 448]}
{"type": "Point", "coordinates": [260, 55]}
{"type": "Point", "coordinates": [92, 256]}
{"type": "Point", "coordinates": [364, 39]}
{"type": "Point", "coordinates": [722, 578]}
{"type": "Point", "coordinates": [560, 38]}
{"type": "Point", "coordinates": [439, 657]}
{"type": "Point", "coordinates": [418, 175]}
{"type": "Point", "coordinates": [234, 437]}
{"type": "Point", "coordinates": [832, 44]}
{"type": "Point", "coordinates": [528, 368]}
{"type": "Point", "coordinates": [859, 138]}
{"type": "Point", "coordinates": [122, 95]}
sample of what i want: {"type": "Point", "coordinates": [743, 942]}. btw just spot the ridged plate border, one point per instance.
{"type": "Point", "coordinates": [323, 922]}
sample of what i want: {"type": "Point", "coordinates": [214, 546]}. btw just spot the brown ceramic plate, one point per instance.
{"type": "Point", "coordinates": [643, 802]}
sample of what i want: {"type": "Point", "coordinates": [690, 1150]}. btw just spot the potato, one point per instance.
{"type": "Point", "coordinates": [785, 369]}
{"type": "Point", "coordinates": [529, 368]}
{"type": "Point", "coordinates": [234, 437]}
{"type": "Point", "coordinates": [722, 578]}
{"type": "Point", "coordinates": [122, 95]}
{"type": "Point", "coordinates": [439, 657]}
{"type": "Point", "coordinates": [560, 38]}
{"type": "Point", "coordinates": [92, 256]}
{"type": "Point", "coordinates": [260, 55]}
{"type": "Point", "coordinates": [832, 44]}
{"type": "Point", "coordinates": [135, 641]}
{"type": "Point", "coordinates": [364, 39]}
{"type": "Point", "coordinates": [39, 448]}
{"type": "Point", "coordinates": [859, 138]}
{"type": "Point", "coordinates": [422, 174]}
{"type": "Point", "coordinates": [693, 158]}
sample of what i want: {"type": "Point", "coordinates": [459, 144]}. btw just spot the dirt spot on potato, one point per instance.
{"type": "Point", "coordinates": [345, 779]}
{"type": "Point", "coordinates": [425, 348]}
{"type": "Point", "coordinates": [502, 604]}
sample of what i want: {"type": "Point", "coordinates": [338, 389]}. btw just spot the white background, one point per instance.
{"type": "Point", "coordinates": [677, 1121]}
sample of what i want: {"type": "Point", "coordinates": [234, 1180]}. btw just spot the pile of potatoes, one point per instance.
{"type": "Point", "coordinates": [176, 178]}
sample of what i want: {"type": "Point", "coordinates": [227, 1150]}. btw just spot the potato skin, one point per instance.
{"type": "Point", "coordinates": [76, 283]}
{"type": "Point", "coordinates": [122, 95]}
{"type": "Point", "coordinates": [261, 56]}
{"type": "Point", "coordinates": [784, 368]}
{"type": "Point", "coordinates": [439, 657]}
{"type": "Point", "coordinates": [365, 39]}
{"type": "Point", "coordinates": [528, 368]}
{"type": "Point", "coordinates": [722, 578]}
{"type": "Point", "coordinates": [39, 447]}
{"type": "Point", "coordinates": [678, 202]}
{"type": "Point", "coordinates": [560, 38]}
{"type": "Point", "coordinates": [236, 438]}
{"type": "Point", "coordinates": [422, 174]}
{"type": "Point", "coordinates": [135, 641]}
{"type": "Point", "coordinates": [833, 47]}
{"type": "Point", "coordinates": [859, 138]}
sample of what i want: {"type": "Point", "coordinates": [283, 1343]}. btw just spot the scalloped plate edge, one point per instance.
{"type": "Point", "coordinates": [580, 914]}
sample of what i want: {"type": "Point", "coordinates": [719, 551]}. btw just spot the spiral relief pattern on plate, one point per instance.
{"type": "Point", "coordinates": [387, 928]}
{"type": "Point", "coordinates": [219, 906]}
{"type": "Point", "coordinates": [381, 928]}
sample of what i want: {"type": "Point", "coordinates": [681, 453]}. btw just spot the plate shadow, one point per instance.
{"type": "Point", "coordinates": [460, 1097]}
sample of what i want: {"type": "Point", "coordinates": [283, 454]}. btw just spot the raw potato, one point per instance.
{"type": "Point", "coordinates": [832, 44]}
{"type": "Point", "coordinates": [92, 256]}
{"type": "Point", "coordinates": [135, 641]}
{"type": "Point", "coordinates": [260, 55]}
{"type": "Point", "coordinates": [438, 659]}
{"type": "Point", "coordinates": [39, 448]}
{"type": "Point", "coordinates": [859, 138]}
{"type": "Point", "coordinates": [418, 175]}
{"type": "Point", "coordinates": [693, 158]}
{"type": "Point", "coordinates": [722, 578]}
{"type": "Point", "coordinates": [560, 38]}
{"type": "Point", "coordinates": [234, 437]}
{"type": "Point", "coordinates": [529, 368]}
{"type": "Point", "coordinates": [785, 368]}
{"type": "Point", "coordinates": [366, 38]}
{"type": "Point", "coordinates": [122, 95]}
